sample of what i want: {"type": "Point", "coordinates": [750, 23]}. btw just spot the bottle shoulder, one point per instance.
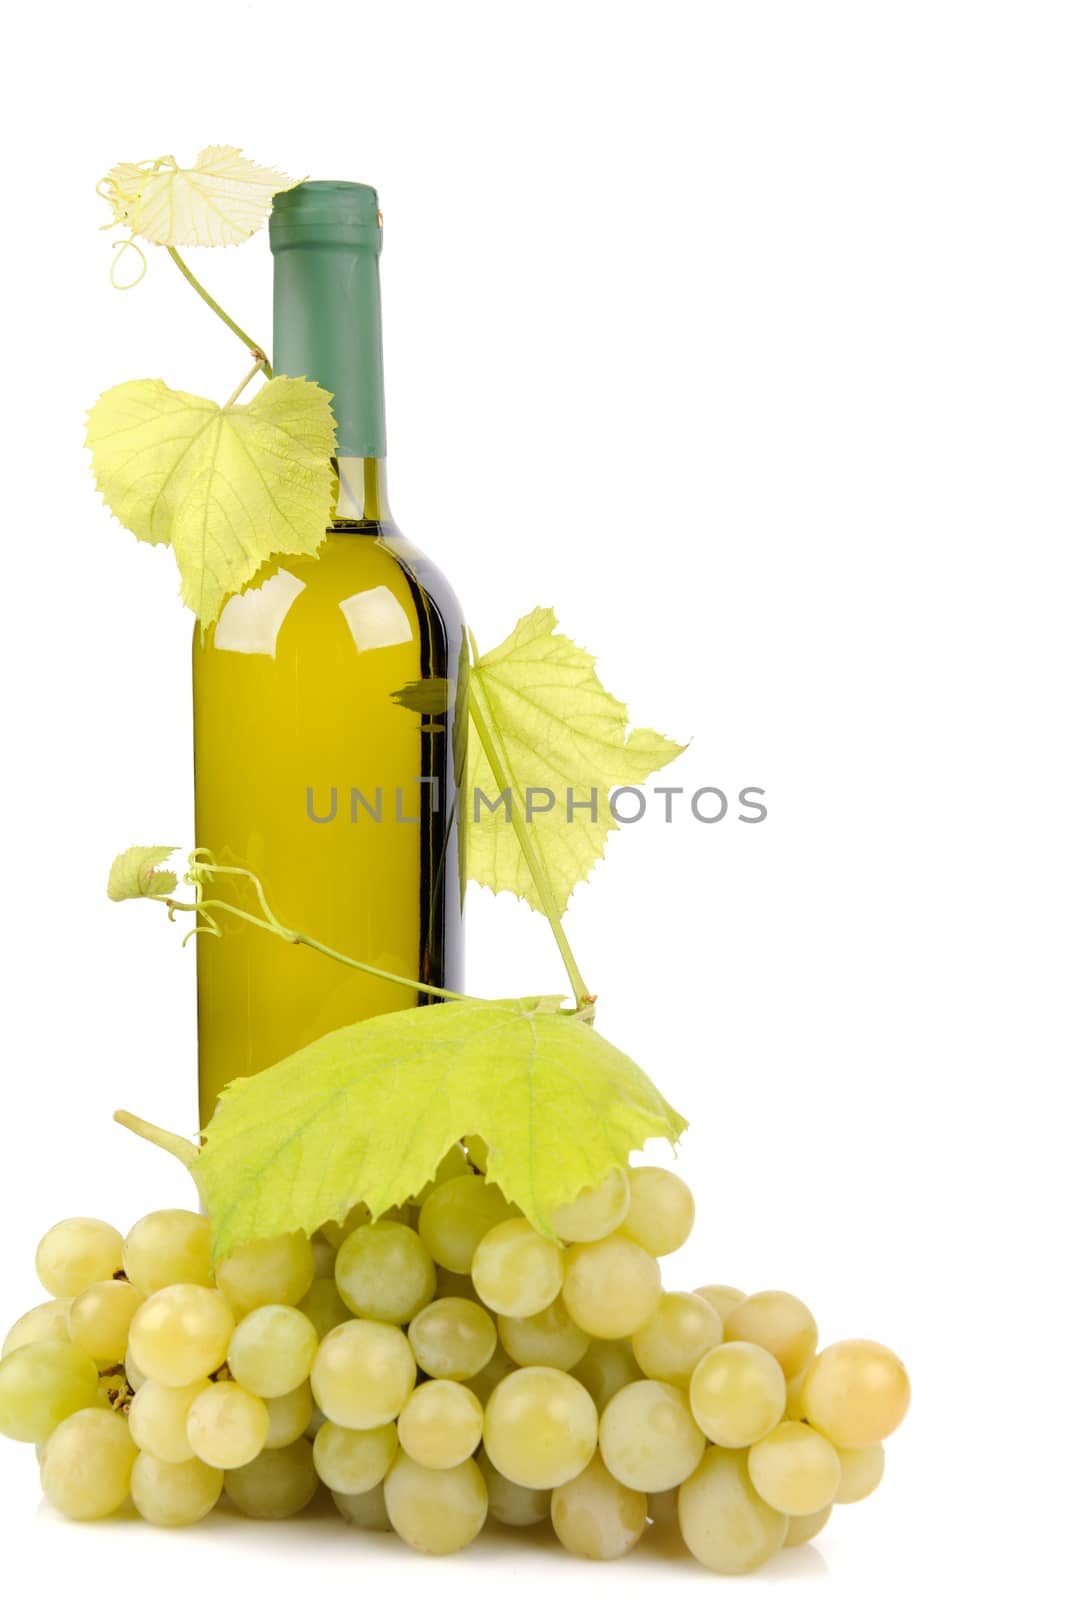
{"type": "Point", "coordinates": [422, 570]}
{"type": "Point", "coordinates": [368, 584]}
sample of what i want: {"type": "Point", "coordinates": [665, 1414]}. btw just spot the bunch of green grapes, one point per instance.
{"type": "Point", "coordinates": [441, 1365]}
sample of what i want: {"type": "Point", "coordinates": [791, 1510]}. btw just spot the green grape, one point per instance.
{"type": "Point", "coordinates": [722, 1296]}
{"type": "Point", "coordinates": [661, 1211]}
{"type": "Point", "coordinates": [794, 1469]}
{"type": "Point", "coordinates": [856, 1392]}
{"type": "Point", "coordinates": [794, 1409]}
{"type": "Point", "coordinates": [181, 1333]}
{"type": "Point", "coordinates": [648, 1437]}
{"type": "Point", "coordinates": [367, 1511]}
{"type": "Point", "coordinates": [289, 1415]}
{"type": "Point", "coordinates": [456, 1163]}
{"type": "Point", "coordinates": [679, 1334]}
{"type": "Point", "coordinates": [440, 1425]}
{"type": "Point", "coordinates": [363, 1373]}
{"type": "Point", "coordinates": [100, 1317]}
{"type": "Point", "coordinates": [384, 1272]}
{"type": "Point", "coordinates": [88, 1465]}
{"type": "Point", "coordinates": [436, 1511]}
{"type": "Point", "coordinates": [456, 1217]}
{"type": "Point", "coordinates": [607, 1367]}
{"type": "Point", "coordinates": [267, 1272]}
{"type": "Point", "coordinates": [336, 1232]}
{"type": "Point", "coordinates": [512, 1503]}
{"type": "Point", "coordinates": [551, 1338]}
{"type": "Point", "coordinates": [861, 1470]}
{"type": "Point", "coordinates": [737, 1394]}
{"type": "Point", "coordinates": [174, 1494]}
{"type": "Point", "coordinates": [134, 1376]}
{"type": "Point", "coordinates": [595, 1212]}
{"type": "Point", "coordinates": [662, 1507]}
{"type": "Point", "coordinates": [227, 1426]}
{"type": "Point", "coordinates": [725, 1524]}
{"type": "Point", "coordinates": [612, 1287]}
{"type": "Point", "coordinates": [498, 1367]}
{"type": "Point", "coordinates": [540, 1427]}
{"type": "Point", "coordinates": [323, 1305]}
{"type": "Point", "coordinates": [317, 1422]}
{"type": "Point", "coordinates": [779, 1323]}
{"type": "Point", "coordinates": [158, 1419]}
{"type": "Point", "coordinates": [48, 1321]}
{"type": "Point", "coordinates": [595, 1516]}
{"type": "Point", "coordinates": [802, 1529]}
{"type": "Point", "coordinates": [41, 1384]}
{"type": "Point", "coordinates": [453, 1165]}
{"type": "Point", "coordinates": [78, 1252]}
{"type": "Point", "coordinates": [516, 1271]}
{"type": "Point", "coordinates": [272, 1350]}
{"type": "Point", "coordinates": [277, 1484]}
{"type": "Point", "coordinates": [352, 1460]}
{"type": "Point", "coordinates": [452, 1338]}
{"type": "Point", "coordinates": [168, 1247]}
{"type": "Point", "coordinates": [325, 1257]}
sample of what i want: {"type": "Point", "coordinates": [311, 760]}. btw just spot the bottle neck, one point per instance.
{"type": "Point", "coordinates": [327, 327]}
{"type": "Point", "coordinates": [362, 493]}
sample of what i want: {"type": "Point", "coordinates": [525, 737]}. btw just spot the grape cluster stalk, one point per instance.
{"type": "Point", "coordinates": [443, 1365]}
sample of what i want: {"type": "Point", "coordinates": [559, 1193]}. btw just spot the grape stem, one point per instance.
{"type": "Point", "coordinates": [190, 277]}
{"type": "Point", "coordinates": [483, 718]}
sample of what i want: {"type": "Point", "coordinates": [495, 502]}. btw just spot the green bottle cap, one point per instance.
{"type": "Point", "coordinates": [324, 213]}
{"type": "Point", "coordinates": [326, 240]}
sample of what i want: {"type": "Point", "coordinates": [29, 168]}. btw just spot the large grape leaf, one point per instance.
{"type": "Point", "coordinates": [222, 199]}
{"type": "Point", "coordinates": [366, 1113]}
{"type": "Point", "coordinates": [135, 873]}
{"type": "Point", "coordinates": [562, 734]}
{"type": "Point", "coordinates": [226, 486]}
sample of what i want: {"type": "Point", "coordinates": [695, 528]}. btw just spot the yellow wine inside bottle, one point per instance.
{"type": "Point", "coordinates": [324, 706]}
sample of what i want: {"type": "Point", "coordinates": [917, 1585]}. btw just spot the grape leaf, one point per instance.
{"type": "Point", "coordinates": [366, 1113]}
{"type": "Point", "coordinates": [223, 199]}
{"type": "Point", "coordinates": [561, 733]}
{"type": "Point", "coordinates": [135, 873]}
{"type": "Point", "coordinates": [226, 486]}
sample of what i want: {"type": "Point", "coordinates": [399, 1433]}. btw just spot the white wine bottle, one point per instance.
{"type": "Point", "coordinates": [324, 705]}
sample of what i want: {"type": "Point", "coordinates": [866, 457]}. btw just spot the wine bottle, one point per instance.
{"type": "Point", "coordinates": [324, 706]}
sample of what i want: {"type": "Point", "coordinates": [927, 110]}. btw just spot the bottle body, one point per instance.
{"type": "Point", "coordinates": [324, 702]}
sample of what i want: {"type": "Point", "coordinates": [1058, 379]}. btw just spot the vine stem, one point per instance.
{"type": "Point", "coordinates": [244, 382]}
{"type": "Point", "coordinates": [184, 1149]}
{"type": "Point", "coordinates": [190, 277]}
{"type": "Point", "coordinates": [484, 721]}
{"type": "Point", "coordinates": [378, 972]}
{"type": "Point", "coordinates": [270, 924]}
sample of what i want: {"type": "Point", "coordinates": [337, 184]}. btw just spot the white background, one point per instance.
{"type": "Point", "coordinates": [734, 331]}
